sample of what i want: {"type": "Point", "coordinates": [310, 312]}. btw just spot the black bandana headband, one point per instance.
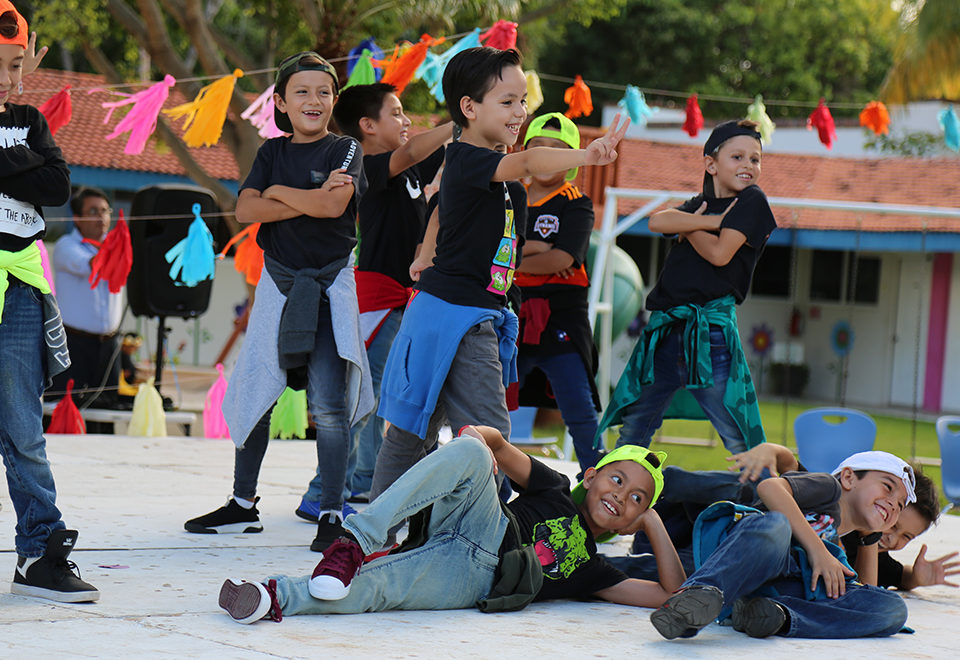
{"type": "Point", "coordinates": [725, 131]}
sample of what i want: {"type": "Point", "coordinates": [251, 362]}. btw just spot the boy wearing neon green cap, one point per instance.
{"type": "Point", "coordinates": [466, 548]}
{"type": "Point", "coordinates": [557, 358]}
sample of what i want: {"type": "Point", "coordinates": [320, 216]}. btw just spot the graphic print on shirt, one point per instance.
{"type": "Point", "coordinates": [824, 525]}
{"type": "Point", "coordinates": [414, 191]}
{"type": "Point", "coordinates": [561, 546]}
{"type": "Point", "coordinates": [16, 217]}
{"type": "Point", "coordinates": [505, 259]}
{"type": "Point", "coordinates": [547, 224]}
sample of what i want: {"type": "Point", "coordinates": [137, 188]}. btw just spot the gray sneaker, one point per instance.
{"type": "Point", "coordinates": [687, 611]}
{"type": "Point", "coordinates": [758, 617]}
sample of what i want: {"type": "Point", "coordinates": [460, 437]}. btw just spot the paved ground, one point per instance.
{"type": "Point", "coordinates": [130, 496]}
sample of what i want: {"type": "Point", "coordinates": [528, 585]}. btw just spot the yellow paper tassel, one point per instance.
{"type": "Point", "coordinates": [148, 419]}
{"type": "Point", "coordinates": [534, 93]}
{"type": "Point", "coordinates": [204, 115]}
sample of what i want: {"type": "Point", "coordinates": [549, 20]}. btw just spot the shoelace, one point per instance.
{"type": "Point", "coordinates": [342, 560]}
{"type": "Point", "coordinates": [68, 566]}
{"type": "Point", "coordinates": [275, 613]}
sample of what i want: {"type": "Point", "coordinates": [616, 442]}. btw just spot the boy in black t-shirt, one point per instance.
{"type": "Point", "coordinates": [392, 219]}
{"type": "Point", "coordinates": [454, 353]}
{"type": "Point", "coordinates": [768, 567]}
{"type": "Point", "coordinates": [558, 359]}
{"type": "Point", "coordinates": [304, 189]}
{"type": "Point", "coordinates": [469, 541]}
{"type": "Point", "coordinates": [691, 346]}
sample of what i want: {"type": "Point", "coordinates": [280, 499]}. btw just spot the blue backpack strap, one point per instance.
{"type": "Point", "coordinates": [713, 525]}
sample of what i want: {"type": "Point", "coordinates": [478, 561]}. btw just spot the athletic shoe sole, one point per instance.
{"type": "Point", "coordinates": [51, 594]}
{"type": "Point", "coordinates": [685, 613]}
{"type": "Point", "coordinates": [326, 587]}
{"type": "Point", "coordinates": [246, 602]}
{"type": "Point", "coordinates": [758, 617]}
{"type": "Point", "coordinates": [230, 528]}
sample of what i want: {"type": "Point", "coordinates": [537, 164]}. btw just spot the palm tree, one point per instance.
{"type": "Point", "coordinates": [927, 64]}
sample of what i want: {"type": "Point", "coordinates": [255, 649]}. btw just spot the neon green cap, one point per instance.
{"type": "Point", "coordinates": [568, 133]}
{"type": "Point", "coordinates": [634, 453]}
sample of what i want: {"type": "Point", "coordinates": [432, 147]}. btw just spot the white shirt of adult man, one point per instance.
{"type": "Point", "coordinates": [96, 310]}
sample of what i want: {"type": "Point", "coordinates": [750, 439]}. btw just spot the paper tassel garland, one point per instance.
{"type": "Point", "coordinates": [141, 120]}
{"type": "Point", "coordinates": [45, 262]}
{"type": "Point", "coordinates": [66, 417]}
{"type": "Point", "coordinates": [192, 259]}
{"type": "Point", "coordinates": [58, 110]}
{"type": "Point", "coordinates": [822, 120]}
{"type": "Point", "coordinates": [148, 419]}
{"type": "Point", "coordinates": [502, 35]}
{"type": "Point", "coordinates": [353, 57]}
{"type": "Point", "coordinates": [289, 417]}
{"type": "Point", "coordinates": [248, 259]}
{"type": "Point", "coordinates": [636, 105]}
{"type": "Point", "coordinates": [204, 116]}
{"type": "Point", "coordinates": [951, 127]}
{"type": "Point", "coordinates": [757, 112]}
{"type": "Point", "coordinates": [363, 72]}
{"type": "Point", "coordinates": [260, 114]}
{"type": "Point", "coordinates": [534, 91]}
{"type": "Point", "coordinates": [113, 260]}
{"type": "Point", "coordinates": [214, 425]}
{"type": "Point", "coordinates": [694, 121]}
{"type": "Point", "coordinates": [876, 118]}
{"type": "Point", "coordinates": [578, 99]}
{"type": "Point", "coordinates": [399, 69]}
{"type": "Point", "coordinates": [431, 71]}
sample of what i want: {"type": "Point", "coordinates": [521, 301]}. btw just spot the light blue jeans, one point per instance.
{"type": "Point", "coordinates": [22, 373]}
{"type": "Point", "coordinates": [456, 565]}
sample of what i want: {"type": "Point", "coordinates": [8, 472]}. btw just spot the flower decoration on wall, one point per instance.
{"type": "Point", "coordinates": [761, 339]}
{"type": "Point", "coordinates": [841, 338]}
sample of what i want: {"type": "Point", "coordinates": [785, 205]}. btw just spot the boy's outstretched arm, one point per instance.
{"type": "Point", "coordinates": [775, 458]}
{"type": "Point", "coordinates": [867, 566]}
{"type": "Point", "coordinates": [926, 572]}
{"type": "Point", "coordinates": [514, 463]}
{"type": "Point", "coordinates": [546, 263]}
{"type": "Point", "coordinates": [419, 147]}
{"type": "Point", "coordinates": [546, 160]}
{"type": "Point", "coordinates": [777, 495]}
{"type": "Point", "coordinates": [645, 593]}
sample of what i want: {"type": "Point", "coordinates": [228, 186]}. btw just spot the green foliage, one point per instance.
{"type": "Point", "coordinates": [912, 145]}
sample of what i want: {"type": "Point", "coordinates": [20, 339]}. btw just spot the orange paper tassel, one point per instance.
{"type": "Point", "coordinates": [58, 110]}
{"type": "Point", "coordinates": [248, 259]}
{"type": "Point", "coordinates": [578, 99]}
{"type": "Point", "coordinates": [204, 116]}
{"type": "Point", "coordinates": [694, 121]}
{"type": "Point", "coordinates": [113, 260]}
{"type": "Point", "coordinates": [876, 118]}
{"type": "Point", "coordinates": [400, 68]}
{"type": "Point", "coordinates": [66, 417]}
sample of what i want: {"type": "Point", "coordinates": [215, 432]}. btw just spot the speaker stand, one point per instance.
{"type": "Point", "coordinates": [162, 331]}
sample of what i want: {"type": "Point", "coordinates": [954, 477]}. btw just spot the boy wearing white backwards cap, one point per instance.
{"type": "Point", "coordinates": [768, 567]}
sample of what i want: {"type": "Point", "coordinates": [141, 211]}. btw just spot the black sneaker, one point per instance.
{"type": "Point", "coordinates": [329, 529]}
{"type": "Point", "coordinates": [248, 602]}
{"type": "Point", "coordinates": [758, 617]}
{"type": "Point", "coordinates": [231, 518]}
{"type": "Point", "coordinates": [53, 576]}
{"type": "Point", "coordinates": [687, 611]}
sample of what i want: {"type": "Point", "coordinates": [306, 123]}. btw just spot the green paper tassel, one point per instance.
{"type": "Point", "coordinates": [289, 417]}
{"type": "Point", "coordinates": [363, 73]}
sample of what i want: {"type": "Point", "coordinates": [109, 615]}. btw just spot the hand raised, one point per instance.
{"type": "Point", "coordinates": [603, 151]}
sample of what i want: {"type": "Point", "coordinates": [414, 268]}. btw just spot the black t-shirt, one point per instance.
{"type": "Point", "coordinates": [889, 570]}
{"type": "Point", "coordinates": [33, 173]}
{"type": "Point", "coordinates": [477, 241]}
{"type": "Point", "coordinates": [818, 496]}
{"type": "Point", "coordinates": [689, 278]}
{"type": "Point", "coordinates": [393, 214]}
{"type": "Point", "coordinates": [549, 519]}
{"type": "Point", "coordinates": [304, 241]}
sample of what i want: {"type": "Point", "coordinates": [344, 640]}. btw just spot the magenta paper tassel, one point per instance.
{"type": "Point", "coordinates": [141, 120]}
{"type": "Point", "coordinates": [214, 425]}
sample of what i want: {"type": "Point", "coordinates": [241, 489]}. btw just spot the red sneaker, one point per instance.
{"type": "Point", "coordinates": [333, 574]}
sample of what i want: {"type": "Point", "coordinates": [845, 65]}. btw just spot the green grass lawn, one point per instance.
{"type": "Point", "coordinates": [895, 435]}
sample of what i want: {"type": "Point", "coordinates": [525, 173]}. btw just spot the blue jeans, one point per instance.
{"type": "Point", "coordinates": [455, 566]}
{"type": "Point", "coordinates": [22, 374]}
{"type": "Point", "coordinates": [367, 434]}
{"type": "Point", "coordinates": [643, 417]}
{"type": "Point", "coordinates": [757, 553]}
{"type": "Point", "coordinates": [570, 383]}
{"type": "Point", "coordinates": [327, 404]}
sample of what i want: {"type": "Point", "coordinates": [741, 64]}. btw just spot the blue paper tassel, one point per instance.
{"type": "Point", "coordinates": [951, 127]}
{"type": "Point", "coordinates": [192, 259]}
{"type": "Point", "coordinates": [354, 55]}
{"type": "Point", "coordinates": [636, 106]}
{"type": "Point", "coordinates": [431, 71]}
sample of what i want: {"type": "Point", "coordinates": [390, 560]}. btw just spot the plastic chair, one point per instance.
{"type": "Point", "coordinates": [521, 433]}
{"type": "Point", "coordinates": [822, 444]}
{"type": "Point", "coordinates": [950, 458]}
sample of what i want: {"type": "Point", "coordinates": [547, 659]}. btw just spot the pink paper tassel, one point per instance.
{"type": "Point", "coordinates": [45, 262]}
{"type": "Point", "coordinates": [214, 425]}
{"type": "Point", "coordinates": [58, 110]}
{"type": "Point", "coordinates": [260, 114]}
{"type": "Point", "coordinates": [141, 120]}
{"type": "Point", "coordinates": [502, 35]}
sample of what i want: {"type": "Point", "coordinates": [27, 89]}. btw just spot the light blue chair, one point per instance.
{"type": "Point", "coordinates": [823, 443]}
{"type": "Point", "coordinates": [948, 433]}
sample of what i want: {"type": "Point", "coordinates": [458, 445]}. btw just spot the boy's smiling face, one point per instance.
{"type": "Point", "coordinates": [390, 129]}
{"type": "Point", "coordinates": [874, 501]}
{"type": "Point", "coordinates": [909, 526]}
{"type": "Point", "coordinates": [617, 494]}
{"type": "Point", "coordinates": [308, 102]}
{"type": "Point", "coordinates": [498, 117]}
{"type": "Point", "coordinates": [11, 70]}
{"type": "Point", "coordinates": [735, 166]}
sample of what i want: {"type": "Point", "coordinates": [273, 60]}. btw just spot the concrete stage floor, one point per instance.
{"type": "Point", "coordinates": [130, 496]}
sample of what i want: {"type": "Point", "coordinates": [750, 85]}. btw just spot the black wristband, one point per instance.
{"type": "Point", "coordinates": [871, 539]}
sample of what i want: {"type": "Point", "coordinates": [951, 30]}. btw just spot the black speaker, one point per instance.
{"type": "Point", "coordinates": [150, 291]}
